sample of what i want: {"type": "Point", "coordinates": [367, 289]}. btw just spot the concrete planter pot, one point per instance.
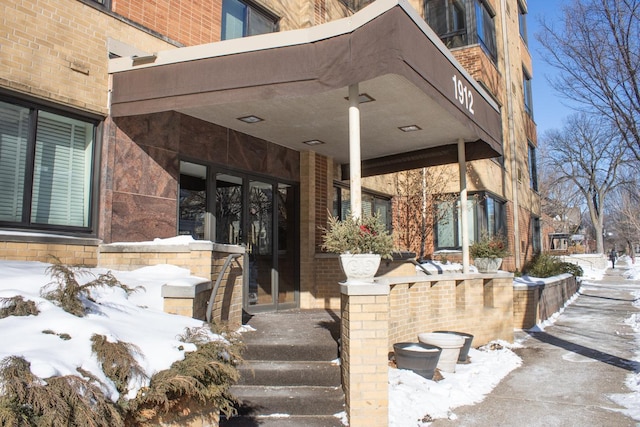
{"type": "Point", "coordinates": [450, 345]}
{"type": "Point", "coordinates": [487, 265]}
{"type": "Point", "coordinates": [360, 268]}
{"type": "Point", "coordinates": [417, 357]}
{"type": "Point", "coordinates": [464, 351]}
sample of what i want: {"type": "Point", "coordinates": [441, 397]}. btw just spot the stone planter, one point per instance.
{"type": "Point", "coordinates": [360, 268]}
{"type": "Point", "coordinates": [450, 345]}
{"type": "Point", "coordinates": [487, 265]}
{"type": "Point", "coordinates": [417, 357]}
{"type": "Point", "coordinates": [464, 351]}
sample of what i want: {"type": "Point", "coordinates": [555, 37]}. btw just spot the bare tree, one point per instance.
{"type": "Point", "coordinates": [588, 154]}
{"type": "Point", "coordinates": [419, 192]}
{"type": "Point", "coordinates": [626, 218]}
{"type": "Point", "coordinates": [597, 50]}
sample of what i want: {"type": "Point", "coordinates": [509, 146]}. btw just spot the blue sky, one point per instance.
{"type": "Point", "coordinates": [548, 110]}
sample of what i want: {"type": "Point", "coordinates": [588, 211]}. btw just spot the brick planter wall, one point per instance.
{"type": "Point", "coordinates": [534, 303]}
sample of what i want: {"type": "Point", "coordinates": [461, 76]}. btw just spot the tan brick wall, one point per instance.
{"type": "Point", "coordinates": [364, 359]}
{"type": "Point", "coordinates": [57, 50]}
{"type": "Point", "coordinates": [71, 254]}
{"type": "Point", "coordinates": [480, 306]}
{"type": "Point", "coordinates": [535, 304]}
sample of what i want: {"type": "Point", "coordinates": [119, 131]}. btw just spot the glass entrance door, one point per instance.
{"type": "Point", "coordinates": [262, 216]}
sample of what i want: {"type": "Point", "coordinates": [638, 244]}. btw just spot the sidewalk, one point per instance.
{"type": "Point", "coordinates": [570, 368]}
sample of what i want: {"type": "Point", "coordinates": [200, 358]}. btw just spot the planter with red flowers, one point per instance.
{"type": "Point", "coordinates": [488, 252]}
{"type": "Point", "coordinates": [361, 243]}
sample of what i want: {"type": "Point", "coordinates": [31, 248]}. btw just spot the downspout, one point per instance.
{"type": "Point", "coordinates": [355, 175]}
{"type": "Point", "coordinates": [512, 139]}
{"type": "Point", "coordinates": [462, 164]}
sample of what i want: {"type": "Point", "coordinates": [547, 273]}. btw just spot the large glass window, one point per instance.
{"type": "Point", "coordinates": [46, 166]}
{"type": "Point", "coordinates": [371, 204]}
{"type": "Point", "coordinates": [242, 19]}
{"type": "Point", "coordinates": [485, 214]}
{"type": "Point", "coordinates": [486, 28]}
{"type": "Point", "coordinates": [447, 19]}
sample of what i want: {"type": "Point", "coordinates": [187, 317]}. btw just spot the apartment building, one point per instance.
{"type": "Point", "coordinates": [229, 121]}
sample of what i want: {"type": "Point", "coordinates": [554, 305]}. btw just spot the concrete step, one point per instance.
{"type": "Point", "coordinates": [289, 421]}
{"type": "Point", "coordinates": [291, 373]}
{"type": "Point", "coordinates": [290, 400]}
{"type": "Point", "coordinates": [319, 351]}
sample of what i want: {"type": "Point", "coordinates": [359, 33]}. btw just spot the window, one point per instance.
{"type": "Point", "coordinates": [536, 235]}
{"type": "Point", "coordinates": [447, 19]}
{"type": "Point", "coordinates": [485, 28]}
{"type": "Point", "coordinates": [99, 4]}
{"type": "Point", "coordinates": [528, 92]}
{"type": "Point", "coordinates": [485, 214]}
{"type": "Point", "coordinates": [533, 168]}
{"type": "Point", "coordinates": [240, 19]}
{"type": "Point", "coordinates": [371, 204]}
{"type": "Point", "coordinates": [522, 22]}
{"type": "Point", "coordinates": [46, 167]}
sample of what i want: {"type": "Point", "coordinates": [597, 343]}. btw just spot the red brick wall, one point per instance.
{"type": "Point", "coordinates": [322, 197]}
{"type": "Point", "coordinates": [481, 68]}
{"type": "Point", "coordinates": [190, 22]}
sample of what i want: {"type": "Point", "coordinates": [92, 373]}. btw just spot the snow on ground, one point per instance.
{"type": "Point", "coordinates": [139, 319]}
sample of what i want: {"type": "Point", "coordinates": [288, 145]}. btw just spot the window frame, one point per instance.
{"type": "Point", "coordinates": [488, 42]}
{"type": "Point", "coordinates": [28, 221]}
{"type": "Point", "coordinates": [98, 4]}
{"type": "Point", "coordinates": [527, 92]}
{"type": "Point", "coordinates": [479, 203]}
{"type": "Point", "coordinates": [377, 200]}
{"type": "Point", "coordinates": [452, 37]}
{"type": "Point", "coordinates": [249, 9]}
{"type": "Point", "coordinates": [522, 22]}
{"type": "Point", "coordinates": [532, 163]}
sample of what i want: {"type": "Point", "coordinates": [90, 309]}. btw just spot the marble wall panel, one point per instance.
{"type": "Point", "coordinates": [248, 153]}
{"type": "Point", "coordinates": [203, 141]}
{"type": "Point", "coordinates": [283, 162]}
{"type": "Point", "coordinates": [141, 218]}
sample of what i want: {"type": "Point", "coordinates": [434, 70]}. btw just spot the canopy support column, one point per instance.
{"type": "Point", "coordinates": [355, 164]}
{"type": "Point", "coordinates": [462, 164]}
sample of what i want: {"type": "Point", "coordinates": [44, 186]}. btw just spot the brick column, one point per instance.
{"type": "Point", "coordinates": [365, 333]}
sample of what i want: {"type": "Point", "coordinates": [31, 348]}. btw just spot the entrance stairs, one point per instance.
{"type": "Point", "coordinates": [290, 376]}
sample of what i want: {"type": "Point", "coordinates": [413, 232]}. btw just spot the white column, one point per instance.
{"type": "Point", "coordinates": [355, 175]}
{"type": "Point", "coordinates": [462, 163]}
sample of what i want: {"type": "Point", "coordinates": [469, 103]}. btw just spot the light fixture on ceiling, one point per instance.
{"type": "Point", "coordinates": [250, 119]}
{"type": "Point", "coordinates": [410, 128]}
{"type": "Point", "coordinates": [313, 142]}
{"type": "Point", "coordinates": [363, 98]}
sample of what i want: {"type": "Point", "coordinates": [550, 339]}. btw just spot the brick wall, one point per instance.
{"type": "Point", "coordinates": [535, 303]}
{"type": "Point", "coordinates": [43, 251]}
{"type": "Point", "coordinates": [57, 50]}
{"type": "Point", "coordinates": [189, 22]}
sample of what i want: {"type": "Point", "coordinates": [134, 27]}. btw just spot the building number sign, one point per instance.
{"type": "Point", "coordinates": [463, 94]}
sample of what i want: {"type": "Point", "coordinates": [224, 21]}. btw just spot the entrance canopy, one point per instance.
{"type": "Point", "coordinates": [297, 83]}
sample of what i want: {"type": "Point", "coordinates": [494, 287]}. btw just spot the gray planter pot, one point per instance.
{"type": "Point", "coordinates": [417, 357]}
{"type": "Point", "coordinates": [487, 265]}
{"type": "Point", "coordinates": [464, 351]}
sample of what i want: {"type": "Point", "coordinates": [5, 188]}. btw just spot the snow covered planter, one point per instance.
{"type": "Point", "coordinates": [487, 265]}
{"type": "Point", "coordinates": [417, 357]}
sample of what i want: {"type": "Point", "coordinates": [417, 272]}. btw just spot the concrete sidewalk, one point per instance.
{"type": "Point", "coordinates": [570, 369]}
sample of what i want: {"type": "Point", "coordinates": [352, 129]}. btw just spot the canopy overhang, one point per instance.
{"type": "Point", "coordinates": [298, 82]}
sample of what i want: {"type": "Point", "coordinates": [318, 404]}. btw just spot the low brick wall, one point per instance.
{"type": "Point", "coordinates": [478, 304]}
{"type": "Point", "coordinates": [69, 250]}
{"type": "Point", "coordinates": [536, 301]}
{"type": "Point", "coordinates": [203, 259]}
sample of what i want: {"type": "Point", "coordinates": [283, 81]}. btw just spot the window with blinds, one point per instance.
{"type": "Point", "coordinates": [45, 167]}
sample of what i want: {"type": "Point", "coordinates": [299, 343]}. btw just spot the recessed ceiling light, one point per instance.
{"type": "Point", "coordinates": [250, 119]}
{"type": "Point", "coordinates": [313, 142]}
{"type": "Point", "coordinates": [363, 98]}
{"type": "Point", "coordinates": [410, 128]}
